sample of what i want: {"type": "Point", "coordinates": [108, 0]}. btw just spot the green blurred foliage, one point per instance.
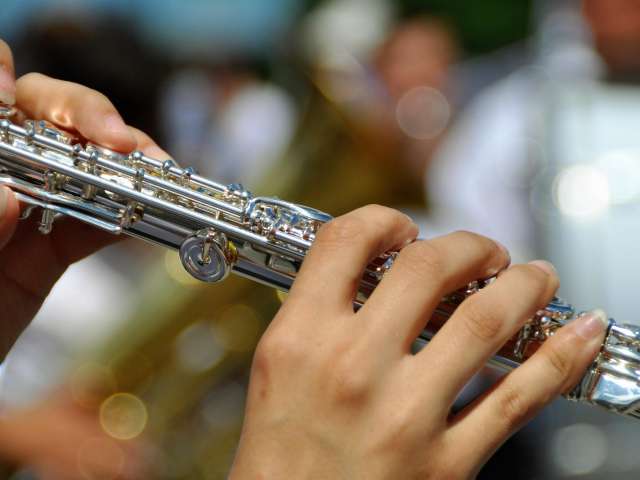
{"type": "Point", "coordinates": [482, 25]}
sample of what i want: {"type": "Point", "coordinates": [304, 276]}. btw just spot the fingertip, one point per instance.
{"type": "Point", "coordinates": [591, 325]}
{"type": "Point", "coordinates": [156, 152]}
{"type": "Point", "coordinates": [147, 145]}
{"type": "Point", "coordinates": [116, 134]}
{"type": "Point", "coordinates": [545, 266]}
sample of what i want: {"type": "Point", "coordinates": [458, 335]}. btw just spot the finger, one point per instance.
{"type": "Point", "coordinates": [74, 107]}
{"type": "Point", "coordinates": [421, 274]}
{"type": "Point", "coordinates": [73, 240]}
{"type": "Point", "coordinates": [146, 144]}
{"type": "Point", "coordinates": [7, 75]}
{"type": "Point", "coordinates": [9, 212]}
{"type": "Point", "coordinates": [333, 267]}
{"type": "Point", "coordinates": [555, 368]}
{"type": "Point", "coordinates": [483, 323]}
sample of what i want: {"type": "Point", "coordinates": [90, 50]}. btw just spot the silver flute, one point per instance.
{"type": "Point", "coordinates": [218, 229]}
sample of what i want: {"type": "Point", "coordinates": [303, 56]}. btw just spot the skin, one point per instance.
{"type": "Point", "coordinates": [333, 393]}
{"type": "Point", "coordinates": [337, 394]}
{"type": "Point", "coordinates": [31, 263]}
{"type": "Point", "coordinates": [60, 440]}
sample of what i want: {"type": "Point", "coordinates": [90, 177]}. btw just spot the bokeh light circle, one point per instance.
{"type": "Point", "coordinates": [123, 416]}
{"type": "Point", "coordinates": [581, 191]}
{"type": "Point", "coordinates": [579, 449]}
{"type": "Point", "coordinates": [423, 113]}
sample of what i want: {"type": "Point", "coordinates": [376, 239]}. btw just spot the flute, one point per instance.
{"type": "Point", "coordinates": [219, 229]}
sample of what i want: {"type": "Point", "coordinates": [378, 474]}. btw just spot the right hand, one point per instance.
{"type": "Point", "coordinates": [337, 394]}
{"type": "Point", "coordinates": [31, 263]}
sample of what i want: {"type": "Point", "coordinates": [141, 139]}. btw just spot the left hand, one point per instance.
{"type": "Point", "coordinates": [31, 263]}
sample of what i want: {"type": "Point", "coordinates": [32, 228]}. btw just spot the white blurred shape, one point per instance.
{"type": "Point", "coordinates": [256, 127]}
{"type": "Point", "coordinates": [87, 304]}
{"type": "Point", "coordinates": [579, 449]}
{"type": "Point", "coordinates": [581, 191]}
{"type": "Point", "coordinates": [197, 349]}
{"type": "Point", "coordinates": [622, 170]}
{"type": "Point", "coordinates": [224, 409]}
{"type": "Point", "coordinates": [355, 26]}
{"type": "Point", "coordinates": [344, 78]}
{"type": "Point", "coordinates": [423, 113]}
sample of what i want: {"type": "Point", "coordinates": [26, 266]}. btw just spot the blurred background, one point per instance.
{"type": "Point", "coordinates": [517, 119]}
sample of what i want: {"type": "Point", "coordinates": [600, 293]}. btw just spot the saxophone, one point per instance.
{"type": "Point", "coordinates": [218, 229]}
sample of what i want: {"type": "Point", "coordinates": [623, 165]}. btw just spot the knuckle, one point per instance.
{"type": "Point", "coordinates": [472, 237]}
{"type": "Point", "coordinates": [535, 276]}
{"type": "Point", "coordinates": [376, 210]}
{"type": "Point", "coordinates": [341, 230]}
{"type": "Point", "coordinates": [32, 77]}
{"type": "Point", "coordinates": [93, 98]}
{"type": "Point", "coordinates": [535, 280]}
{"type": "Point", "coordinates": [558, 361]}
{"type": "Point", "coordinates": [485, 246]}
{"type": "Point", "coordinates": [513, 408]}
{"type": "Point", "coordinates": [424, 259]}
{"type": "Point", "coordinates": [274, 348]}
{"type": "Point", "coordinates": [350, 385]}
{"type": "Point", "coordinates": [483, 323]}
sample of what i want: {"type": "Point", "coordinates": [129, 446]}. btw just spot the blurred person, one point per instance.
{"type": "Point", "coordinates": [497, 147]}
{"type": "Point", "coordinates": [398, 105]}
{"type": "Point", "coordinates": [310, 411]}
{"type": "Point", "coordinates": [497, 171]}
{"type": "Point", "coordinates": [226, 120]}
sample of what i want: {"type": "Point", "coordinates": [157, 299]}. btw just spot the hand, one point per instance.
{"type": "Point", "coordinates": [31, 263]}
{"type": "Point", "coordinates": [60, 440]}
{"type": "Point", "coordinates": [337, 394]}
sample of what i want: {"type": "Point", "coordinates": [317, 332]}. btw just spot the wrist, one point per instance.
{"type": "Point", "coordinates": [268, 457]}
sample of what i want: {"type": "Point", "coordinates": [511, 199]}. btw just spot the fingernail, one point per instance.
{"type": "Point", "coordinates": [4, 200]}
{"type": "Point", "coordinates": [407, 242]}
{"type": "Point", "coordinates": [545, 266]}
{"type": "Point", "coordinates": [114, 123]}
{"type": "Point", "coordinates": [7, 87]}
{"type": "Point", "coordinates": [155, 152]}
{"type": "Point", "coordinates": [591, 324]}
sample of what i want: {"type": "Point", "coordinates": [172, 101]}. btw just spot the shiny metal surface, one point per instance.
{"type": "Point", "coordinates": [218, 229]}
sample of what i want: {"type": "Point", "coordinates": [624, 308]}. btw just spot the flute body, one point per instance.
{"type": "Point", "coordinates": [218, 229]}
